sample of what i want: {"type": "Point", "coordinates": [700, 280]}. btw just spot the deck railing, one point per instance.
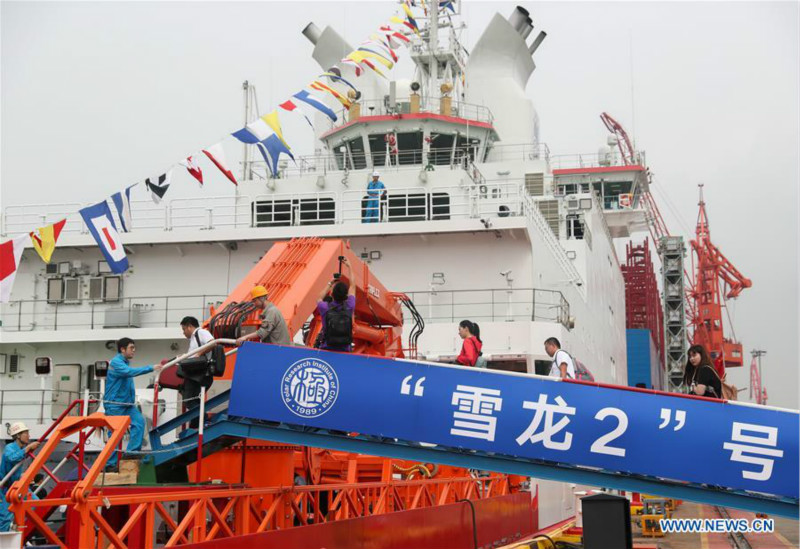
{"type": "Point", "coordinates": [129, 312]}
{"type": "Point", "coordinates": [505, 304]}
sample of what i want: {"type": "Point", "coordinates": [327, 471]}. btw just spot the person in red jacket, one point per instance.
{"type": "Point", "coordinates": [472, 344]}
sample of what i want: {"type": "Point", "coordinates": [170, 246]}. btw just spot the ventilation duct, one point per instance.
{"type": "Point", "coordinates": [537, 42]}
{"type": "Point", "coordinates": [519, 19]}
{"type": "Point", "coordinates": [312, 32]}
{"type": "Point", "coordinates": [528, 29]}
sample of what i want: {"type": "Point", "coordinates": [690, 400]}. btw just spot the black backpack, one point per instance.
{"type": "Point", "coordinates": [338, 326]}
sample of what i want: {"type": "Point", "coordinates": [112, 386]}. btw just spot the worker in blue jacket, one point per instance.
{"type": "Point", "coordinates": [120, 395]}
{"type": "Point", "coordinates": [13, 453]}
{"type": "Point", "coordinates": [376, 191]}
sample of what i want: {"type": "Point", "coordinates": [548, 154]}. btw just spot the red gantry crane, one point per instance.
{"type": "Point", "coordinates": [716, 280]}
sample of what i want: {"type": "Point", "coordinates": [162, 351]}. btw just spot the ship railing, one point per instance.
{"type": "Point", "coordinates": [167, 311]}
{"type": "Point", "coordinates": [428, 105]}
{"type": "Point", "coordinates": [592, 160]}
{"type": "Point", "coordinates": [492, 305]}
{"type": "Point", "coordinates": [533, 214]}
{"type": "Point", "coordinates": [518, 151]}
{"type": "Point", "coordinates": [129, 312]}
{"type": "Point", "coordinates": [35, 406]}
{"type": "Point", "coordinates": [340, 163]}
{"type": "Point", "coordinates": [209, 213]}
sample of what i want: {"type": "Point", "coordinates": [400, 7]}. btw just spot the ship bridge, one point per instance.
{"type": "Point", "coordinates": [618, 184]}
{"type": "Point", "coordinates": [374, 134]}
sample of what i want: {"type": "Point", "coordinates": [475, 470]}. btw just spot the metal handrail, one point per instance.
{"type": "Point", "coordinates": [200, 350]}
{"type": "Point", "coordinates": [428, 105]}
{"type": "Point", "coordinates": [39, 314]}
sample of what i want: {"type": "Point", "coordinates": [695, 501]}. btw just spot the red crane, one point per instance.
{"type": "Point", "coordinates": [755, 383]}
{"type": "Point", "coordinates": [655, 222]}
{"type": "Point", "coordinates": [716, 280]}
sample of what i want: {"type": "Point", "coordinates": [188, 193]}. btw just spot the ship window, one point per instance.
{"type": "Point", "coordinates": [440, 206]}
{"type": "Point", "coordinates": [271, 213]}
{"type": "Point", "coordinates": [408, 207]}
{"type": "Point", "coordinates": [317, 211]}
{"type": "Point", "coordinates": [357, 154]}
{"type": "Point", "coordinates": [418, 206]}
{"type": "Point", "coordinates": [284, 213]}
{"type": "Point", "coordinates": [410, 148]}
{"type": "Point", "coordinates": [574, 227]}
{"type": "Point", "coordinates": [441, 149]}
{"type": "Point", "coordinates": [568, 188]}
{"type": "Point", "coordinates": [377, 147]}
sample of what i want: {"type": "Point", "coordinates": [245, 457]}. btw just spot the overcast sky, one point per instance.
{"type": "Point", "coordinates": [96, 96]}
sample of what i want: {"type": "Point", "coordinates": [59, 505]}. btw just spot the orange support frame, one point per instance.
{"type": "Point", "coordinates": [220, 512]}
{"type": "Point", "coordinates": [23, 508]}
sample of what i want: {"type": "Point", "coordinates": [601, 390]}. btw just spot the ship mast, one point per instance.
{"type": "Point", "coordinates": [437, 64]}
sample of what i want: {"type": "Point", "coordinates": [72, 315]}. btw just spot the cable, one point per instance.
{"type": "Point", "coordinates": [474, 523]}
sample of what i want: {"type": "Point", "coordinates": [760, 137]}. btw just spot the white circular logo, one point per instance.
{"type": "Point", "coordinates": [309, 387]}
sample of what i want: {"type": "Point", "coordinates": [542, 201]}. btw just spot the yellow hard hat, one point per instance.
{"type": "Point", "coordinates": [258, 291]}
{"type": "Point", "coordinates": [17, 428]}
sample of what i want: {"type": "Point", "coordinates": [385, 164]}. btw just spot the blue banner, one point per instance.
{"type": "Point", "coordinates": [730, 445]}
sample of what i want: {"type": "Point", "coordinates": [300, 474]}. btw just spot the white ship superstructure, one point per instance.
{"type": "Point", "coordinates": [473, 227]}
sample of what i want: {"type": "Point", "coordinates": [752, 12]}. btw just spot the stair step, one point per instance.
{"type": "Point", "coordinates": [128, 473]}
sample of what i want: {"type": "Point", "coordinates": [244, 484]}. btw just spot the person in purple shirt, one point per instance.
{"type": "Point", "coordinates": [337, 315]}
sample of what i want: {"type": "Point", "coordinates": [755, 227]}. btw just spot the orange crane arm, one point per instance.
{"type": "Point", "coordinates": [295, 273]}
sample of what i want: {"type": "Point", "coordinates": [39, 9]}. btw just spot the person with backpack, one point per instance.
{"type": "Point", "coordinates": [563, 365]}
{"type": "Point", "coordinates": [337, 314]}
{"type": "Point", "coordinates": [700, 377]}
{"type": "Point", "coordinates": [471, 345]}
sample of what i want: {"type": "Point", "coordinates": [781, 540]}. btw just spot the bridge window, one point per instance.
{"type": "Point", "coordinates": [377, 147]}
{"type": "Point", "coordinates": [441, 149]}
{"type": "Point", "coordinates": [351, 155]}
{"type": "Point", "coordinates": [410, 147]}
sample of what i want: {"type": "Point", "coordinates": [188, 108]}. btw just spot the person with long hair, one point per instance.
{"type": "Point", "coordinates": [471, 347]}
{"type": "Point", "coordinates": [699, 376]}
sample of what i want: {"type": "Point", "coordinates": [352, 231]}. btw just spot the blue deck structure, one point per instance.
{"type": "Point", "coordinates": [644, 364]}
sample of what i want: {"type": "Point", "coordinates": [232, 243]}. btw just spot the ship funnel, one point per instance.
{"type": "Point", "coordinates": [536, 43]}
{"type": "Point", "coordinates": [312, 32]}
{"type": "Point", "coordinates": [519, 19]}
{"type": "Point", "coordinates": [528, 28]}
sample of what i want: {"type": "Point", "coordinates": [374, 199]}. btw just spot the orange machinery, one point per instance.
{"type": "Point", "coordinates": [295, 273]}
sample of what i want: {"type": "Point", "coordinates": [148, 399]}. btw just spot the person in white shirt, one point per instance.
{"type": "Point", "coordinates": [563, 366]}
{"type": "Point", "coordinates": [197, 337]}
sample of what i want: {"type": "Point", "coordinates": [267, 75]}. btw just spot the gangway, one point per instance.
{"type": "Point", "coordinates": [743, 456]}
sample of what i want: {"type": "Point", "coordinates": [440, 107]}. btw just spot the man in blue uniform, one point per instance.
{"type": "Point", "coordinates": [120, 395]}
{"type": "Point", "coordinates": [376, 191]}
{"type": "Point", "coordinates": [13, 453]}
